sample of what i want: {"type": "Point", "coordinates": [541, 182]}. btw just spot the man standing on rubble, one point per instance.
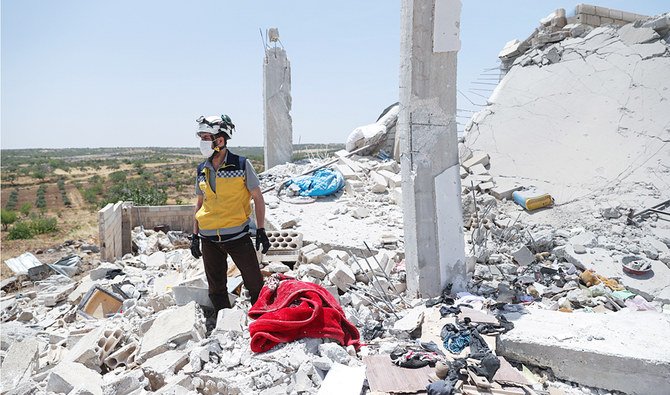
{"type": "Point", "coordinates": [225, 184]}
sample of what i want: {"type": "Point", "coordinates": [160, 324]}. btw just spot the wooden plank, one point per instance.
{"type": "Point", "coordinates": [384, 376]}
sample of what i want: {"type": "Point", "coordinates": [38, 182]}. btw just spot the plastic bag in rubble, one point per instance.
{"type": "Point", "coordinates": [323, 182]}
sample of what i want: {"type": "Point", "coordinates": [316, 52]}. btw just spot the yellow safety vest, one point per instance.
{"type": "Point", "coordinates": [230, 205]}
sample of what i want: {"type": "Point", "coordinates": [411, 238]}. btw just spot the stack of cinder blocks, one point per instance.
{"type": "Point", "coordinates": [285, 246]}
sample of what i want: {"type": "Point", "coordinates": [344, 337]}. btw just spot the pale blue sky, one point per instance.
{"type": "Point", "coordinates": [137, 73]}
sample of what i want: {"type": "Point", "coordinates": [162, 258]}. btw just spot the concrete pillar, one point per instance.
{"type": "Point", "coordinates": [431, 184]}
{"type": "Point", "coordinates": [278, 143]}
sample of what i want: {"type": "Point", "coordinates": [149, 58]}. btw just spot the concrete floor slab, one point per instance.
{"type": "Point", "coordinates": [624, 351]}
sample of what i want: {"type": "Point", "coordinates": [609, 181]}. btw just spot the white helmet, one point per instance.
{"type": "Point", "coordinates": [215, 124]}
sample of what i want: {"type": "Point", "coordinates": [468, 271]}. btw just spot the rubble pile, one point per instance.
{"type": "Point", "coordinates": [371, 199]}
{"type": "Point", "coordinates": [144, 323]}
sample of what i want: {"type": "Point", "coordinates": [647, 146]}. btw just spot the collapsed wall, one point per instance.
{"type": "Point", "coordinates": [589, 110]}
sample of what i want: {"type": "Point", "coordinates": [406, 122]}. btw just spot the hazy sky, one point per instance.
{"type": "Point", "coordinates": [137, 73]}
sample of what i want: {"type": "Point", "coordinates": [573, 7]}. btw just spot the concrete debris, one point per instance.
{"type": "Point", "coordinates": [73, 377]}
{"type": "Point", "coordinates": [342, 379]}
{"type": "Point", "coordinates": [142, 327]}
{"type": "Point", "coordinates": [175, 326]}
{"type": "Point", "coordinates": [20, 363]}
{"type": "Point", "coordinates": [592, 342]}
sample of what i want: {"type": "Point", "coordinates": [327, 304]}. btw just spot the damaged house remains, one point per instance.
{"type": "Point", "coordinates": [532, 256]}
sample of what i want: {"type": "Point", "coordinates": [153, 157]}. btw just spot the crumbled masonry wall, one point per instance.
{"type": "Point", "coordinates": [116, 222]}
{"type": "Point", "coordinates": [109, 230]}
{"type": "Point", "coordinates": [597, 16]}
{"type": "Point", "coordinates": [590, 112]}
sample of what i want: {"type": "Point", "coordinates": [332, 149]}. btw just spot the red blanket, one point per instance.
{"type": "Point", "coordinates": [297, 310]}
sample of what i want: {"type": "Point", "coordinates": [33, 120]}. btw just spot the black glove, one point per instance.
{"type": "Point", "coordinates": [262, 238]}
{"type": "Point", "coordinates": [195, 246]}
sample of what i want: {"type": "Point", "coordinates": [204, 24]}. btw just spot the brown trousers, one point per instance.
{"type": "Point", "coordinates": [215, 255]}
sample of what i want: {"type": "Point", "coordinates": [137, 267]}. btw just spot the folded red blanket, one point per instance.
{"type": "Point", "coordinates": [296, 310]}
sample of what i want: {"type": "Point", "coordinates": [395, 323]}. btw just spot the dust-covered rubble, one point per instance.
{"type": "Point", "coordinates": [144, 322]}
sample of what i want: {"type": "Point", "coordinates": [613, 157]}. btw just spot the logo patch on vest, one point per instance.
{"type": "Point", "coordinates": [230, 173]}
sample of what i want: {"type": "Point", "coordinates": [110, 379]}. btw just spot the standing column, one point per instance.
{"type": "Point", "coordinates": [431, 184]}
{"type": "Point", "coordinates": [278, 133]}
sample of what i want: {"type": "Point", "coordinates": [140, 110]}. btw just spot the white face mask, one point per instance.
{"type": "Point", "coordinates": [206, 148]}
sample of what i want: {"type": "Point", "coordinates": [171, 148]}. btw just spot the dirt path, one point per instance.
{"type": "Point", "coordinates": [76, 198]}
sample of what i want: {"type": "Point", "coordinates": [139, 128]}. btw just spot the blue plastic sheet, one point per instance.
{"type": "Point", "coordinates": [322, 182]}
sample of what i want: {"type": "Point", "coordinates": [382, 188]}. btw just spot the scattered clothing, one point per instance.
{"type": "Point", "coordinates": [503, 326]}
{"type": "Point", "coordinates": [296, 310]}
{"type": "Point", "coordinates": [446, 386]}
{"type": "Point", "coordinates": [113, 273]}
{"type": "Point", "coordinates": [432, 347]}
{"type": "Point", "coordinates": [447, 310]}
{"type": "Point", "coordinates": [444, 298]}
{"type": "Point", "coordinates": [455, 339]}
{"type": "Point", "coordinates": [414, 359]}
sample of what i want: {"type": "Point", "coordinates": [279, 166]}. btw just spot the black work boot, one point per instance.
{"type": "Point", "coordinates": [220, 301]}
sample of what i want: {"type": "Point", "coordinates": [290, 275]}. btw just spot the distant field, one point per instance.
{"type": "Point", "coordinates": [79, 181]}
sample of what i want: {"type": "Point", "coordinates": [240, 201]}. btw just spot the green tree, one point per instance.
{"type": "Point", "coordinates": [25, 208]}
{"type": "Point", "coordinates": [7, 217]}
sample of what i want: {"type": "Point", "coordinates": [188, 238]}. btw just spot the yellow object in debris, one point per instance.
{"type": "Point", "coordinates": [532, 199]}
{"type": "Point", "coordinates": [591, 278]}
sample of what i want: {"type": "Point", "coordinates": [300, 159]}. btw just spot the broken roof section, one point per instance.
{"type": "Point", "coordinates": [589, 106]}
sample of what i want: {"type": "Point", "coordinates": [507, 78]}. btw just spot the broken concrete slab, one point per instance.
{"type": "Point", "coordinates": [172, 326]}
{"type": "Point", "coordinates": [186, 294]}
{"type": "Point", "coordinates": [84, 350]}
{"type": "Point", "coordinates": [379, 183]}
{"type": "Point", "coordinates": [156, 261]}
{"type": "Point", "coordinates": [594, 349]}
{"type": "Point", "coordinates": [523, 256]}
{"type": "Point", "coordinates": [478, 169]}
{"type": "Point", "coordinates": [343, 380]}
{"type": "Point", "coordinates": [504, 190]}
{"type": "Point", "coordinates": [507, 374]}
{"type": "Point", "coordinates": [163, 366]}
{"type": "Point", "coordinates": [125, 382]}
{"type": "Point", "coordinates": [342, 276]}
{"type": "Point", "coordinates": [410, 322]}
{"type": "Point", "coordinates": [67, 377]}
{"type": "Point", "coordinates": [476, 159]}
{"type": "Point", "coordinates": [637, 35]}
{"type": "Point", "coordinates": [231, 320]}
{"type": "Point", "coordinates": [20, 363]}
